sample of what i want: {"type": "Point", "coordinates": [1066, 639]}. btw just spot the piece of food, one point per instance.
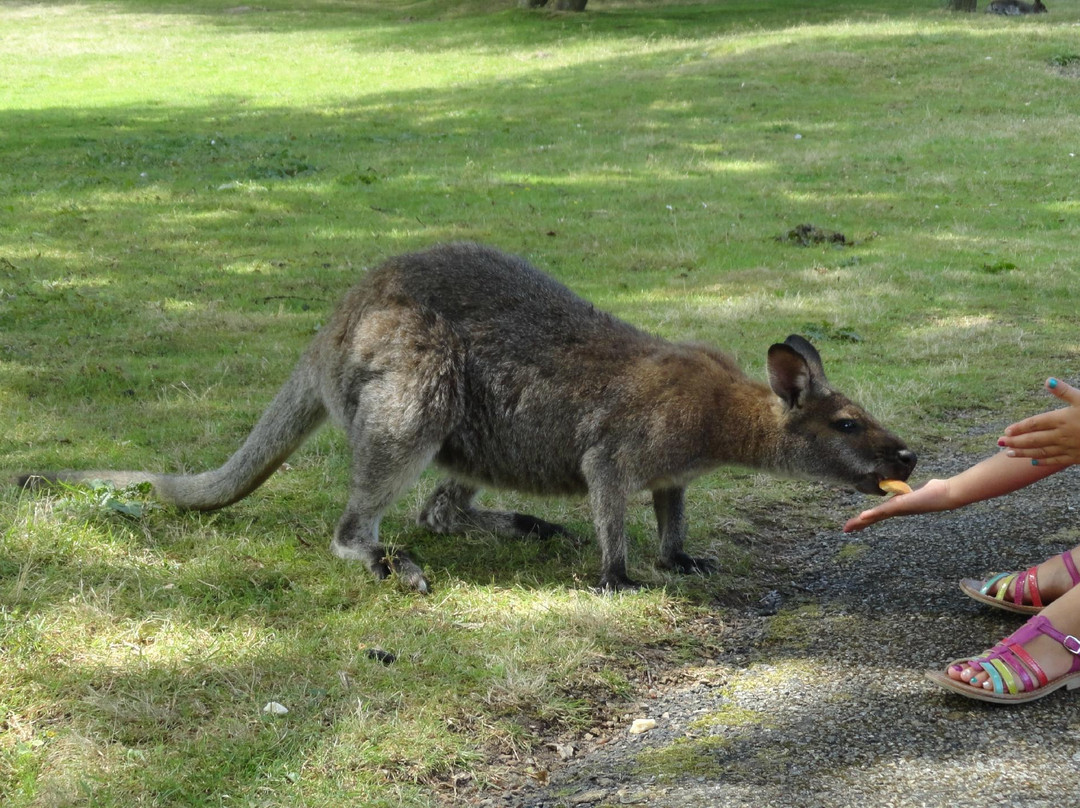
{"type": "Point", "coordinates": [894, 487]}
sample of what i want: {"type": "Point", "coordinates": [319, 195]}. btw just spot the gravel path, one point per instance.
{"type": "Point", "coordinates": [830, 707]}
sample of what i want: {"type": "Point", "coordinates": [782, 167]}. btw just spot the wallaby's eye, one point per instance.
{"type": "Point", "coordinates": [847, 425]}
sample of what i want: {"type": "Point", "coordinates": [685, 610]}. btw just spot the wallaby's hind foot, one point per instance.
{"type": "Point", "coordinates": [533, 527]}
{"type": "Point", "coordinates": [357, 539]}
{"type": "Point", "coordinates": [450, 510]}
{"type": "Point", "coordinates": [383, 563]}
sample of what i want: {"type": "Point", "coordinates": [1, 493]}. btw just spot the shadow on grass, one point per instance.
{"type": "Point", "coordinates": [499, 23]}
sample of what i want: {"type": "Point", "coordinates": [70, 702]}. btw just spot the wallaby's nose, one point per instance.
{"type": "Point", "coordinates": [907, 458]}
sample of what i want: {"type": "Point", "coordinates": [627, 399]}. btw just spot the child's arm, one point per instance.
{"type": "Point", "coordinates": [1034, 448]}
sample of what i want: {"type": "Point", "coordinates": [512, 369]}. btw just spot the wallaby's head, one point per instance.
{"type": "Point", "coordinates": [826, 435]}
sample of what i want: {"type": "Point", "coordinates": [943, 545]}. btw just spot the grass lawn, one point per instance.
{"type": "Point", "coordinates": [186, 188]}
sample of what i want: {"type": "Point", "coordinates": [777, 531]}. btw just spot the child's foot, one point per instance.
{"type": "Point", "coordinates": [1039, 658]}
{"type": "Point", "coordinates": [1027, 592]}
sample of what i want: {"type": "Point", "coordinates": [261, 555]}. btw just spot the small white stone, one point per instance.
{"type": "Point", "coordinates": [641, 725]}
{"type": "Point", "coordinates": [274, 708]}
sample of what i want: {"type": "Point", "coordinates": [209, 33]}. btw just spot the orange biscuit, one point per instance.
{"type": "Point", "coordinates": [894, 487]}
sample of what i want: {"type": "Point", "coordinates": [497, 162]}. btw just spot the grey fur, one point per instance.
{"type": "Point", "coordinates": [473, 360]}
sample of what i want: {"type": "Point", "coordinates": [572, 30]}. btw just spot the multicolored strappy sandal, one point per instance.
{"type": "Point", "coordinates": [1026, 583]}
{"type": "Point", "coordinates": [1014, 674]}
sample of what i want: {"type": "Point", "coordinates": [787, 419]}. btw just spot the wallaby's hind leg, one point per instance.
{"type": "Point", "coordinates": [450, 510]}
{"type": "Point", "coordinates": [398, 393]}
{"type": "Point", "coordinates": [377, 482]}
{"type": "Point", "coordinates": [404, 399]}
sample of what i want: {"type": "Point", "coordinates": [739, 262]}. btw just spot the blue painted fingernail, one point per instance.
{"type": "Point", "coordinates": [1052, 383]}
{"type": "Point", "coordinates": [1034, 462]}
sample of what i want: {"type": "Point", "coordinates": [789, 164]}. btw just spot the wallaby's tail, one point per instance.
{"type": "Point", "coordinates": [296, 411]}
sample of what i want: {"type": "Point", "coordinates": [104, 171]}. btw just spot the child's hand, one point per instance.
{"type": "Point", "coordinates": [934, 496]}
{"type": "Point", "coordinates": [1052, 438]}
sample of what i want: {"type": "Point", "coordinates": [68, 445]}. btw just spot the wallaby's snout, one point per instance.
{"type": "Point", "coordinates": [899, 465]}
{"type": "Point", "coordinates": [892, 460]}
{"type": "Point", "coordinates": [906, 458]}
{"type": "Point", "coordinates": [889, 459]}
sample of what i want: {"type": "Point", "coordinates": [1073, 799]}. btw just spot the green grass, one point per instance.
{"type": "Point", "coordinates": [187, 188]}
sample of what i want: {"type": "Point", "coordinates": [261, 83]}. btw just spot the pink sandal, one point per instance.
{"type": "Point", "coordinates": [1024, 581]}
{"type": "Point", "coordinates": [1015, 677]}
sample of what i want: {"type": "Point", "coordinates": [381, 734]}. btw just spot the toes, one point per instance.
{"type": "Point", "coordinates": [976, 677]}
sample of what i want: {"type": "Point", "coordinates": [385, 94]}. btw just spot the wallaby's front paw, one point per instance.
{"type": "Point", "coordinates": [687, 564]}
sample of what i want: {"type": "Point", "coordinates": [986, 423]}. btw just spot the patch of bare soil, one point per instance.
{"type": "Point", "coordinates": [807, 235]}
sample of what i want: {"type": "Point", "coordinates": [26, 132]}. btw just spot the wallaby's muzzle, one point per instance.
{"type": "Point", "coordinates": [898, 466]}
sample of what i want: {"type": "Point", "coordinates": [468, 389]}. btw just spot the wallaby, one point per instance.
{"type": "Point", "coordinates": [1014, 8]}
{"type": "Point", "coordinates": [475, 361]}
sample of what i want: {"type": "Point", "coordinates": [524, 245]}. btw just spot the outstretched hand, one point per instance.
{"type": "Point", "coordinates": [1051, 438]}
{"type": "Point", "coordinates": [934, 496]}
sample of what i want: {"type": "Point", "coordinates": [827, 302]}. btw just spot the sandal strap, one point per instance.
{"type": "Point", "coordinates": [1039, 624]}
{"type": "Point", "coordinates": [1029, 661]}
{"type": "Point", "coordinates": [1012, 675]}
{"type": "Point", "coordinates": [1031, 577]}
{"type": "Point", "coordinates": [998, 671]}
{"type": "Point", "coordinates": [1070, 565]}
{"type": "Point", "coordinates": [1003, 578]}
{"type": "Point", "coordinates": [1027, 580]}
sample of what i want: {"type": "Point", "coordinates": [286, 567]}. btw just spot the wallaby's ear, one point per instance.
{"type": "Point", "coordinates": [809, 353]}
{"type": "Point", "coordinates": [794, 367]}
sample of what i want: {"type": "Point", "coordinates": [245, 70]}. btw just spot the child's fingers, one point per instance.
{"type": "Point", "coordinates": [1018, 440]}
{"type": "Point", "coordinates": [1043, 455]}
{"type": "Point", "coordinates": [864, 519]}
{"type": "Point", "coordinates": [1046, 420]}
{"type": "Point", "coordinates": [1030, 426]}
{"type": "Point", "coordinates": [869, 517]}
{"type": "Point", "coordinates": [1064, 391]}
{"type": "Point", "coordinates": [918, 501]}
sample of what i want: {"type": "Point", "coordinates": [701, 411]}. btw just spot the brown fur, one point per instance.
{"type": "Point", "coordinates": [475, 361]}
